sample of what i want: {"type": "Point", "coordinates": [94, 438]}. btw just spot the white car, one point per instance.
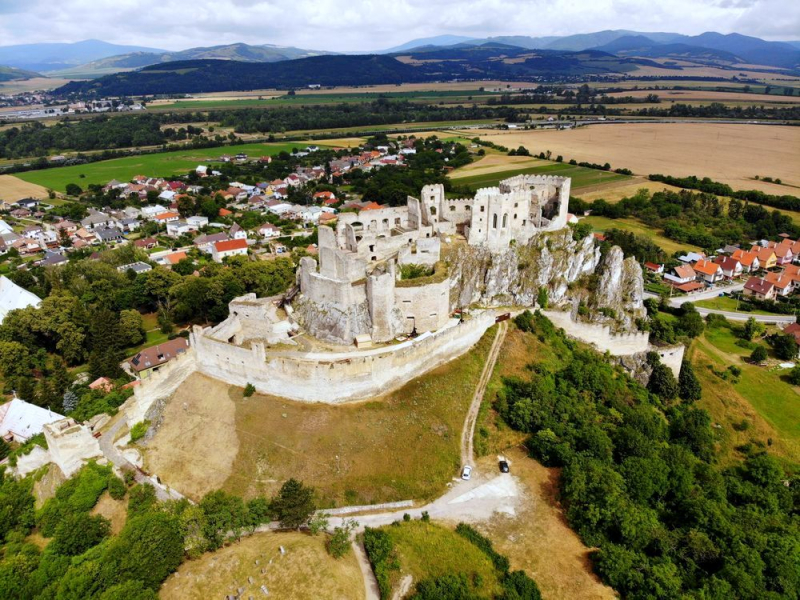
{"type": "Point", "coordinates": [466, 473]}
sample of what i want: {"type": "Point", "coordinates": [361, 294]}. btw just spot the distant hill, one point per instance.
{"type": "Point", "coordinates": [12, 74]}
{"type": "Point", "coordinates": [639, 45]}
{"type": "Point", "coordinates": [438, 40]}
{"type": "Point", "coordinates": [754, 50]}
{"type": "Point", "coordinates": [485, 61]}
{"type": "Point", "coordinates": [584, 41]}
{"type": "Point", "coordinates": [54, 57]}
{"type": "Point", "coordinates": [240, 52]}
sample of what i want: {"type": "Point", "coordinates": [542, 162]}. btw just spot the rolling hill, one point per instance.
{"type": "Point", "coordinates": [639, 45]}
{"type": "Point", "coordinates": [240, 52]}
{"type": "Point", "coordinates": [13, 74]}
{"type": "Point", "coordinates": [485, 61]}
{"type": "Point", "coordinates": [54, 57]}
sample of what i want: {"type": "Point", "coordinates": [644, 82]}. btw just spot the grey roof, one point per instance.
{"type": "Point", "coordinates": [53, 258]}
{"type": "Point", "coordinates": [108, 234]}
{"type": "Point", "coordinates": [137, 267]}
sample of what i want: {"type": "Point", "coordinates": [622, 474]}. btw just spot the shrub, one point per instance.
{"type": "Point", "coordinates": [339, 542]}
{"type": "Point", "coordinates": [249, 390]}
{"type": "Point", "coordinates": [139, 430]}
{"type": "Point", "coordinates": [759, 354]}
{"type": "Point", "coordinates": [116, 487]}
{"type": "Point", "coordinates": [79, 531]}
{"type": "Point", "coordinates": [381, 555]}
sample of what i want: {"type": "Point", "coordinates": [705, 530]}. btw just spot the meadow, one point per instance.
{"type": "Point", "coordinates": [161, 164]}
{"type": "Point", "coordinates": [581, 176]}
{"type": "Point", "coordinates": [601, 224]}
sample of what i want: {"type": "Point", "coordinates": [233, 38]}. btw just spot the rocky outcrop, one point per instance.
{"type": "Point", "coordinates": [573, 272]}
{"type": "Point", "coordinates": [330, 323]}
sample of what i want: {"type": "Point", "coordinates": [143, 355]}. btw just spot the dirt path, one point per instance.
{"type": "Point", "coordinates": [467, 448]}
{"type": "Point", "coordinates": [371, 589]}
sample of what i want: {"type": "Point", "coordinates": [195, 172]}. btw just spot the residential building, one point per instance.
{"type": "Point", "coordinates": [759, 288]}
{"type": "Point", "coordinates": [681, 274]}
{"type": "Point", "coordinates": [153, 358]}
{"type": "Point", "coordinates": [268, 230]}
{"type": "Point", "coordinates": [784, 284]}
{"type": "Point", "coordinates": [731, 268]}
{"type": "Point", "coordinates": [237, 233]}
{"type": "Point", "coordinates": [749, 260]}
{"type": "Point", "coordinates": [13, 297]}
{"type": "Point", "coordinates": [20, 420]}
{"type": "Point", "coordinates": [766, 257]}
{"type": "Point", "coordinates": [224, 249]}
{"type": "Point", "coordinates": [651, 267]}
{"type": "Point", "coordinates": [136, 267]}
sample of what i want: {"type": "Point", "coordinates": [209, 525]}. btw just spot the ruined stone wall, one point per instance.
{"type": "Point", "coordinates": [425, 251]}
{"type": "Point", "coordinates": [427, 306]}
{"type": "Point", "coordinates": [160, 384]}
{"type": "Point", "coordinates": [601, 336]}
{"type": "Point", "coordinates": [337, 377]}
{"type": "Point", "coordinates": [70, 444]}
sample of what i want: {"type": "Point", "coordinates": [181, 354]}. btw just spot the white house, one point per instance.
{"type": "Point", "coordinates": [197, 221]}
{"type": "Point", "coordinates": [226, 248]}
{"type": "Point", "coordinates": [148, 212]}
{"type": "Point", "coordinates": [268, 230]}
{"type": "Point", "coordinates": [237, 233]}
{"type": "Point", "coordinates": [13, 297]}
{"type": "Point", "coordinates": [20, 420]}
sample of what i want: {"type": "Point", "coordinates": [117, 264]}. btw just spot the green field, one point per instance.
{"type": "Point", "coordinates": [728, 304]}
{"type": "Point", "coordinates": [161, 164]}
{"type": "Point", "coordinates": [581, 176]}
{"type": "Point", "coordinates": [669, 246]}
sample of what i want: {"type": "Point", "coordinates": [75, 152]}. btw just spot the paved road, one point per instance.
{"type": "Point", "coordinates": [743, 316]}
{"type": "Point", "coordinates": [371, 589]}
{"type": "Point", "coordinates": [676, 301]}
{"type": "Point", "coordinates": [468, 431]}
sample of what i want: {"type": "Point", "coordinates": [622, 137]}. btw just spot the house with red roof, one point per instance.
{"type": "Point", "coordinates": [784, 284]}
{"type": "Point", "coordinates": [749, 260]}
{"type": "Point", "coordinates": [709, 271]}
{"type": "Point", "coordinates": [681, 274]}
{"type": "Point", "coordinates": [731, 268]}
{"type": "Point", "coordinates": [226, 248]}
{"type": "Point", "coordinates": [654, 268]}
{"type": "Point", "coordinates": [759, 288]}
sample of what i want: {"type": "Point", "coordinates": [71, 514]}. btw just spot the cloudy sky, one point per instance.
{"type": "Point", "coordinates": [374, 24]}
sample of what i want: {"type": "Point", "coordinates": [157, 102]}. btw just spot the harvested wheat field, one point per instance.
{"type": "Point", "coordinates": [617, 192]}
{"type": "Point", "coordinates": [304, 571]}
{"type": "Point", "coordinates": [13, 189]}
{"type": "Point", "coordinates": [199, 417]}
{"type": "Point", "coordinates": [680, 95]}
{"type": "Point", "coordinates": [538, 540]}
{"type": "Point", "coordinates": [732, 154]}
{"type": "Point", "coordinates": [496, 163]}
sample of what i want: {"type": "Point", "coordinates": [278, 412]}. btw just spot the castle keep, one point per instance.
{"type": "Point", "coordinates": [358, 288]}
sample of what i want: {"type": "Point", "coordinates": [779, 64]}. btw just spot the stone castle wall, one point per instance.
{"type": "Point", "coordinates": [336, 377]}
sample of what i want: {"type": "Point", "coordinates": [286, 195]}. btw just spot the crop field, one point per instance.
{"type": "Point", "coordinates": [13, 189]}
{"type": "Point", "coordinates": [732, 154]}
{"type": "Point", "coordinates": [712, 95]}
{"type": "Point", "coordinates": [161, 164]}
{"type": "Point", "coordinates": [669, 246]}
{"type": "Point", "coordinates": [581, 176]}
{"type": "Point", "coordinates": [405, 445]}
{"type": "Point", "coordinates": [304, 571]}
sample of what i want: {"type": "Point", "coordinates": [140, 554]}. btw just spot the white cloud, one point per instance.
{"type": "Point", "coordinates": [373, 24]}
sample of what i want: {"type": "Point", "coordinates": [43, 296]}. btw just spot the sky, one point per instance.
{"type": "Point", "coordinates": [363, 25]}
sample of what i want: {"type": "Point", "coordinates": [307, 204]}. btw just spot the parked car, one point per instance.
{"type": "Point", "coordinates": [466, 473]}
{"type": "Point", "coordinates": [504, 466]}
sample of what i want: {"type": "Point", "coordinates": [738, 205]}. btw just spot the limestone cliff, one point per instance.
{"type": "Point", "coordinates": [573, 272]}
{"type": "Point", "coordinates": [330, 323]}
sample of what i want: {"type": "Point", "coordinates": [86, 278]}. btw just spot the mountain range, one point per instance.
{"type": "Point", "coordinates": [94, 58]}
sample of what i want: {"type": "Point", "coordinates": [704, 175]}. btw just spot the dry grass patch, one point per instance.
{"type": "Point", "coordinates": [495, 163]}
{"type": "Point", "coordinates": [538, 539]}
{"type": "Point", "coordinates": [115, 511]}
{"type": "Point", "coordinates": [732, 154]}
{"type": "Point", "coordinates": [405, 445]}
{"type": "Point", "coordinates": [13, 189]}
{"type": "Point", "coordinates": [195, 444]}
{"type": "Point", "coordinates": [305, 571]}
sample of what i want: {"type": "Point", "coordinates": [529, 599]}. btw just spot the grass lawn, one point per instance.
{"type": "Point", "coordinates": [163, 164]}
{"type": "Point", "coordinates": [634, 225]}
{"type": "Point", "coordinates": [760, 406]}
{"type": "Point", "coordinates": [428, 550]}
{"type": "Point", "coordinates": [581, 176]}
{"type": "Point", "coordinates": [305, 571]}
{"type": "Point", "coordinates": [728, 304]}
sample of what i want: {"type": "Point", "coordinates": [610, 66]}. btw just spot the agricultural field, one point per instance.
{"type": "Point", "coordinates": [601, 224]}
{"type": "Point", "coordinates": [740, 405]}
{"type": "Point", "coordinates": [13, 189]}
{"type": "Point", "coordinates": [304, 571]}
{"type": "Point", "coordinates": [161, 164]}
{"type": "Point", "coordinates": [711, 95]}
{"type": "Point", "coordinates": [732, 154]}
{"type": "Point", "coordinates": [405, 445]}
{"type": "Point", "coordinates": [496, 170]}
{"type": "Point", "coordinates": [727, 303]}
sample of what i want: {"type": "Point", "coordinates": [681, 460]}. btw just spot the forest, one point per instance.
{"type": "Point", "coordinates": [642, 483]}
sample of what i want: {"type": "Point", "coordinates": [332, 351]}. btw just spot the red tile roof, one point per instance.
{"type": "Point", "coordinates": [230, 245]}
{"type": "Point", "coordinates": [758, 285]}
{"type": "Point", "coordinates": [158, 355]}
{"type": "Point", "coordinates": [691, 286]}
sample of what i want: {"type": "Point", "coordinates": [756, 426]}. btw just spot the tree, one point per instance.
{"type": "Point", "coordinates": [691, 323]}
{"type": "Point", "coordinates": [294, 504]}
{"type": "Point", "coordinates": [106, 344]}
{"type": "Point", "coordinates": [785, 346]}
{"type": "Point", "coordinates": [79, 531]}
{"type": "Point", "coordinates": [759, 354]}
{"type": "Point", "coordinates": [131, 327]}
{"type": "Point", "coordinates": [794, 375]}
{"type": "Point", "coordinates": [73, 189]}
{"type": "Point", "coordinates": [130, 590]}
{"type": "Point", "coordinates": [662, 382]}
{"type": "Point", "coordinates": [339, 542]}
{"type": "Point", "coordinates": [541, 298]}
{"type": "Point", "coordinates": [688, 385]}
{"type": "Point", "coordinates": [753, 328]}
{"type": "Point", "coordinates": [70, 401]}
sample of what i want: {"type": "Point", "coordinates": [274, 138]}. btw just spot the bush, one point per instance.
{"type": "Point", "coordinates": [77, 532]}
{"type": "Point", "coordinates": [139, 430]}
{"type": "Point", "coordinates": [381, 555]}
{"type": "Point", "coordinates": [339, 542]}
{"type": "Point", "coordinates": [758, 355]}
{"type": "Point", "coordinates": [249, 390]}
{"type": "Point", "coordinates": [116, 487]}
